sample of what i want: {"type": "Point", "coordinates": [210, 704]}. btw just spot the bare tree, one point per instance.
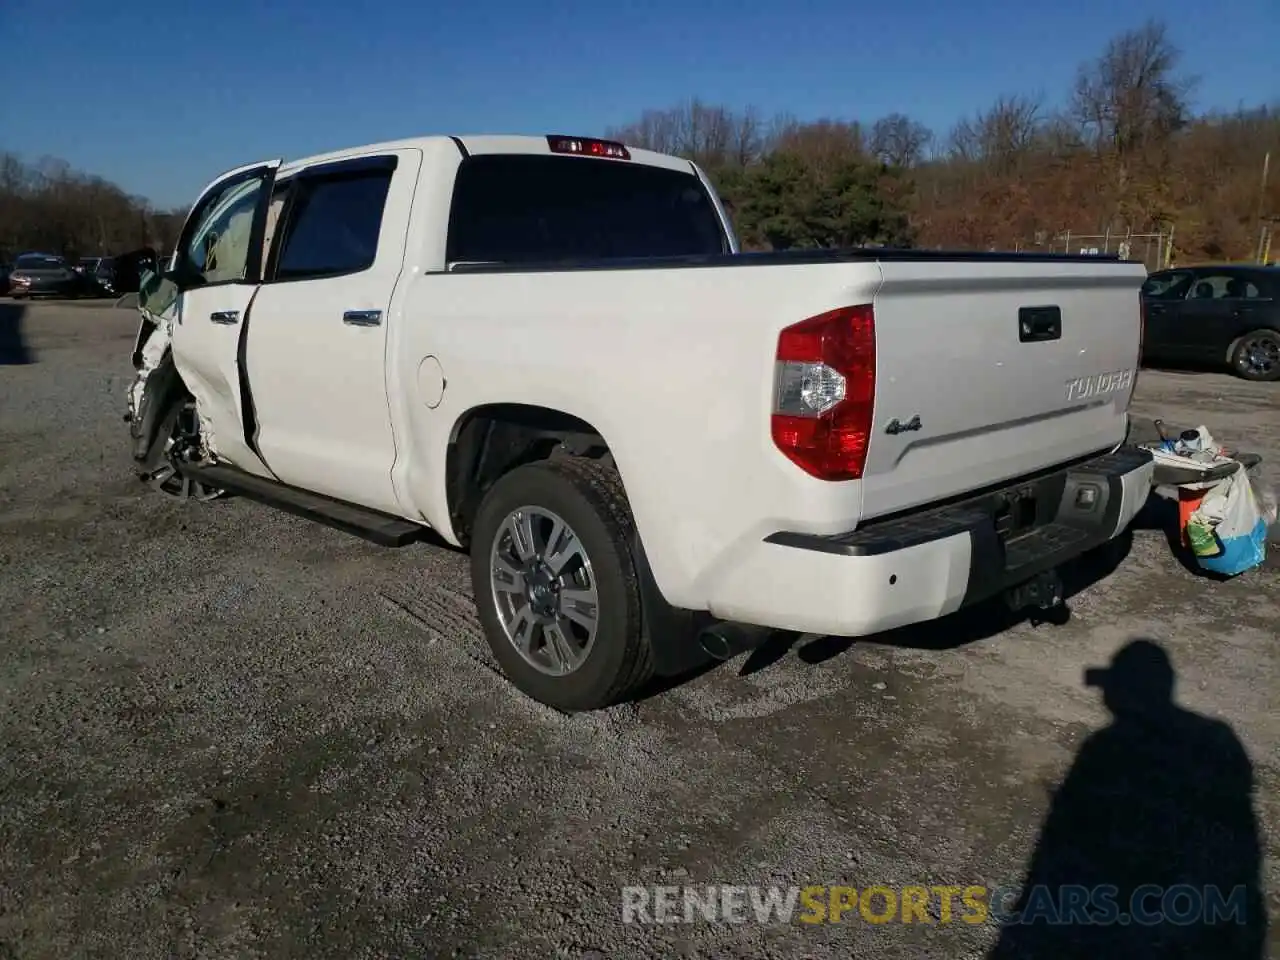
{"type": "Point", "coordinates": [999, 136]}
{"type": "Point", "coordinates": [50, 207]}
{"type": "Point", "coordinates": [899, 141]}
{"type": "Point", "coordinates": [1133, 94]}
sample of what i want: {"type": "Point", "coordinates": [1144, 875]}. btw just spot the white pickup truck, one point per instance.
{"type": "Point", "coordinates": [551, 352]}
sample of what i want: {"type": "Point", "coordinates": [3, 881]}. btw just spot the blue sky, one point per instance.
{"type": "Point", "coordinates": [161, 97]}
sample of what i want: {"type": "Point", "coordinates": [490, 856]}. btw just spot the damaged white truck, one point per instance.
{"type": "Point", "coordinates": [550, 351]}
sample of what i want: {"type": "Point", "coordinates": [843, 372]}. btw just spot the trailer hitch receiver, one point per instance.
{"type": "Point", "coordinates": [1043, 591]}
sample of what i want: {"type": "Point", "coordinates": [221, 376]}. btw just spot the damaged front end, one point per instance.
{"type": "Point", "coordinates": [165, 425]}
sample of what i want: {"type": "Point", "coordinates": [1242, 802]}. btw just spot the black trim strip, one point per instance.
{"type": "Point", "coordinates": [382, 528]}
{"type": "Point", "coordinates": [351, 165]}
{"type": "Point", "coordinates": [462, 147]}
{"type": "Point", "coordinates": [787, 258]}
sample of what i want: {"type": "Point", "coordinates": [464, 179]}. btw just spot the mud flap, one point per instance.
{"type": "Point", "coordinates": [672, 632]}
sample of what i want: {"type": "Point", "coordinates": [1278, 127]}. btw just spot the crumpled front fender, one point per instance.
{"type": "Point", "coordinates": [156, 382]}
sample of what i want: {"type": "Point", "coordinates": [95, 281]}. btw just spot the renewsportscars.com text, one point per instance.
{"type": "Point", "coordinates": [1104, 905]}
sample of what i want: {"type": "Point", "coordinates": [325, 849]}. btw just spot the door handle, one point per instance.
{"type": "Point", "coordinates": [225, 316]}
{"type": "Point", "coordinates": [362, 318]}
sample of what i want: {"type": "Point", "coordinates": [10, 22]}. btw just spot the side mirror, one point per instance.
{"type": "Point", "coordinates": [157, 292]}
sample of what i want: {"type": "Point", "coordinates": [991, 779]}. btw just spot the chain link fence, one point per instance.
{"type": "Point", "coordinates": [1153, 249]}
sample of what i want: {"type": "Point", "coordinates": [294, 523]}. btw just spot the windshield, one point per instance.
{"type": "Point", "coordinates": [38, 263]}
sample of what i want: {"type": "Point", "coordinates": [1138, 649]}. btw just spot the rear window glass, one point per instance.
{"type": "Point", "coordinates": [527, 209]}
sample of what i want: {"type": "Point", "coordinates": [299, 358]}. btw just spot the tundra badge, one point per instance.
{"type": "Point", "coordinates": [896, 426]}
{"type": "Point", "coordinates": [1098, 385]}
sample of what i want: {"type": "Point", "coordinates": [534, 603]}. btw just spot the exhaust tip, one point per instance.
{"type": "Point", "coordinates": [715, 644]}
{"type": "Point", "coordinates": [725, 640]}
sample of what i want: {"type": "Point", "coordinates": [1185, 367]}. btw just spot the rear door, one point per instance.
{"type": "Point", "coordinates": [995, 369]}
{"type": "Point", "coordinates": [217, 268]}
{"type": "Point", "coordinates": [1232, 304]}
{"type": "Point", "coordinates": [1207, 316]}
{"type": "Point", "coordinates": [317, 341]}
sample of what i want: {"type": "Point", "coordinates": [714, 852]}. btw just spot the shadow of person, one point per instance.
{"type": "Point", "coordinates": [1150, 847]}
{"type": "Point", "coordinates": [13, 343]}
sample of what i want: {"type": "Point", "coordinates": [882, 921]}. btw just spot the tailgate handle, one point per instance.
{"type": "Point", "coordinates": [1039, 323]}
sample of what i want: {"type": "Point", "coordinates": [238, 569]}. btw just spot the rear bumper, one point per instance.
{"type": "Point", "coordinates": [926, 564]}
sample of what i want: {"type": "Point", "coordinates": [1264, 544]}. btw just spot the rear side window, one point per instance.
{"type": "Point", "coordinates": [528, 209]}
{"type": "Point", "coordinates": [1221, 286]}
{"type": "Point", "coordinates": [334, 224]}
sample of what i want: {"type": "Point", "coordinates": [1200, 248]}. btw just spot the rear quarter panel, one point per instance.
{"type": "Point", "coordinates": [674, 368]}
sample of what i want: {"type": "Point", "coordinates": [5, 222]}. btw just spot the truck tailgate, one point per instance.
{"type": "Point", "coordinates": [996, 369]}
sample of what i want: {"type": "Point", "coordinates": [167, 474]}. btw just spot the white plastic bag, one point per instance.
{"type": "Point", "coordinates": [1228, 530]}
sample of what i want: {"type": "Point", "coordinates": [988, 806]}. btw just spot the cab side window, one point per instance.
{"type": "Point", "coordinates": [1222, 286]}
{"type": "Point", "coordinates": [331, 225]}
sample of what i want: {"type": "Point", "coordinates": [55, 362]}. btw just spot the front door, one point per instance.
{"type": "Point", "coordinates": [217, 268]}
{"type": "Point", "coordinates": [317, 344]}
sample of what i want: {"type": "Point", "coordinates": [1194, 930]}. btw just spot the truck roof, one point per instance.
{"type": "Point", "coordinates": [478, 144]}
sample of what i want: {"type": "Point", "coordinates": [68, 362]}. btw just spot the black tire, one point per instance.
{"type": "Point", "coordinates": [588, 496]}
{"type": "Point", "coordinates": [1249, 350]}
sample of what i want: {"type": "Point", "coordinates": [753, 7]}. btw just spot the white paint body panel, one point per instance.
{"type": "Point", "coordinates": [339, 440]}
{"type": "Point", "coordinates": [205, 354]}
{"type": "Point", "coordinates": [674, 367]}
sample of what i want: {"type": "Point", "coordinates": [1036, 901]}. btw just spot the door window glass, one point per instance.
{"type": "Point", "coordinates": [1223, 286]}
{"type": "Point", "coordinates": [218, 248]}
{"type": "Point", "coordinates": [333, 228]}
{"type": "Point", "coordinates": [1167, 286]}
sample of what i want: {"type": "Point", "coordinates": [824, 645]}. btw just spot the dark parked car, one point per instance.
{"type": "Point", "coordinates": [123, 273]}
{"type": "Point", "coordinates": [1227, 315]}
{"type": "Point", "coordinates": [44, 275]}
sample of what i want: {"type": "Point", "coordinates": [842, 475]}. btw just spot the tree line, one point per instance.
{"type": "Point", "coordinates": [49, 207]}
{"type": "Point", "coordinates": [1124, 154]}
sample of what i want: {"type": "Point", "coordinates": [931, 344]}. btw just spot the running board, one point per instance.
{"type": "Point", "coordinates": [380, 528]}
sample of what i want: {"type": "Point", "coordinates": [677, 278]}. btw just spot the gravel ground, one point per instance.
{"type": "Point", "coordinates": [225, 732]}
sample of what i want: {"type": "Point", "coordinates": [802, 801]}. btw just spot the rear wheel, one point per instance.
{"type": "Point", "coordinates": [556, 585]}
{"type": "Point", "coordinates": [1257, 356]}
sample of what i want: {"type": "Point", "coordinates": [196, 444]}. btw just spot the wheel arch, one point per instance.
{"type": "Point", "coordinates": [1229, 357]}
{"type": "Point", "coordinates": [490, 440]}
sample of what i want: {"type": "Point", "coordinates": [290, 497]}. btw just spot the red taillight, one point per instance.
{"type": "Point", "coordinates": [588, 148]}
{"type": "Point", "coordinates": [824, 392]}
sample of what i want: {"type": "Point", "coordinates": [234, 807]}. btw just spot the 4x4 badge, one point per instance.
{"type": "Point", "coordinates": [897, 426]}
